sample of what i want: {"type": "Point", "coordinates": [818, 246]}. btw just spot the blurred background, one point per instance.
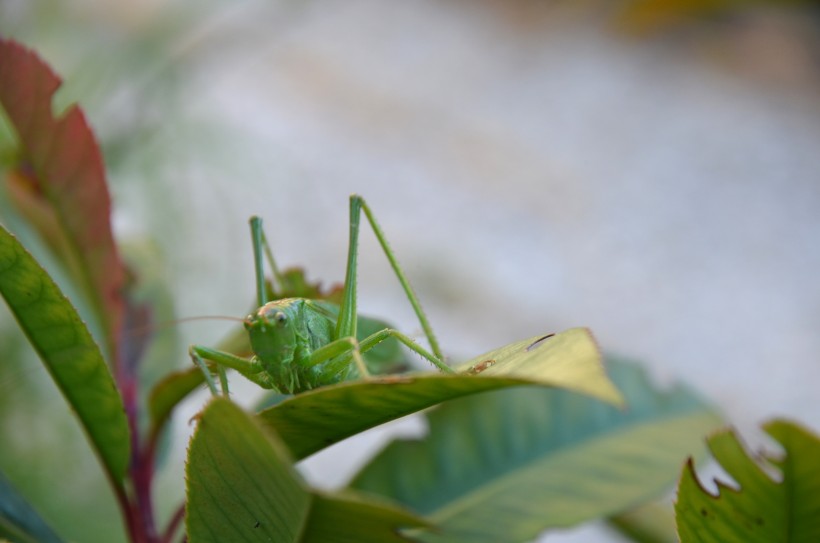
{"type": "Point", "coordinates": [647, 168]}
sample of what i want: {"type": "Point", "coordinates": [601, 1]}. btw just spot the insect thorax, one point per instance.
{"type": "Point", "coordinates": [283, 334]}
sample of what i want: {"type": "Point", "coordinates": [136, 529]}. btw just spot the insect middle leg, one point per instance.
{"type": "Point", "coordinates": [342, 346]}
{"type": "Point", "coordinates": [373, 340]}
{"type": "Point", "coordinates": [335, 351]}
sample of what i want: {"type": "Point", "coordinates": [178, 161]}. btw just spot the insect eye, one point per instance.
{"type": "Point", "coordinates": [279, 317]}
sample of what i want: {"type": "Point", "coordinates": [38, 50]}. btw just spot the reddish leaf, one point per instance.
{"type": "Point", "coordinates": [59, 182]}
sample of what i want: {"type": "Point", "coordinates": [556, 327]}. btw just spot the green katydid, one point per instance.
{"type": "Point", "coordinates": [300, 344]}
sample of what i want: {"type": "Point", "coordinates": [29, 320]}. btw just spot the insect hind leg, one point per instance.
{"type": "Point", "coordinates": [346, 325]}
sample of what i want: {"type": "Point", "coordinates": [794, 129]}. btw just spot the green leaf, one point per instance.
{"type": "Point", "coordinates": [507, 465]}
{"type": "Point", "coordinates": [171, 390]}
{"type": "Point", "coordinates": [18, 517]}
{"type": "Point", "coordinates": [764, 509]}
{"type": "Point", "coordinates": [347, 517]}
{"type": "Point", "coordinates": [649, 523]}
{"type": "Point", "coordinates": [314, 420]}
{"type": "Point", "coordinates": [242, 487]}
{"type": "Point", "coordinates": [65, 346]}
{"type": "Point", "coordinates": [59, 183]}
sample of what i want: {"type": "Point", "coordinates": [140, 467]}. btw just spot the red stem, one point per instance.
{"type": "Point", "coordinates": [138, 510]}
{"type": "Point", "coordinates": [173, 524]}
{"type": "Point", "coordinates": [128, 514]}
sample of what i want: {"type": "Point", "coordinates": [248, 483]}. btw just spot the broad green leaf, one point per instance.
{"type": "Point", "coordinates": [19, 518]}
{"type": "Point", "coordinates": [347, 517]}
{"type": "Point", "coordinates": [314, 420]}
{"type": "Point", "coordinates": [65, 346]}
{"type": "Point", "coordinates": [649, 523]}
{"type": "Point", "coordinates": [784, 508]}
{"type": "Point", "coordinates": [59, 183]}
{"type": "Point", "coordinates": [243, 488]}
{"type": "Point", "coordinates": [170, 391]}
{"type": "Point", "coordinates": [507, 465]}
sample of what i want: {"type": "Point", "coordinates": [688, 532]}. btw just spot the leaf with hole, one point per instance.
{"type": "Point", "coordinates": [764, 506]}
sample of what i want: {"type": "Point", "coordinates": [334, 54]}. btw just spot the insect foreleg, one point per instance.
{"type": "Point", "coordinates": [209, 379]}
{"type": "Point", "coordinates": [371, 341]}
{"type": "Point", "coordinates": [250, 369]}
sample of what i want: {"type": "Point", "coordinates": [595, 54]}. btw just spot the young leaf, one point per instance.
{"type": "Point", "coordinates": [507, 465]}
{"type": "Point", "coordinates": [16, 514]}
{"type": "Point", "coordinates": [242, 487]}
{"type": "Point", "coordinates": [314, 420]}
{"type": "Point", "coordinates": [69, 353]}
{"type": "Point", "coordinates": [60, 182]}
{"type": "Point", "coordinates": [762, 509]}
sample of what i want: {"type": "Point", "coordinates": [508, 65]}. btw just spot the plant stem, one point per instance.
{"type": "Point", "coordinates": [173, 524]}
{"type": "Point", "coordinates": [142, 526]}
{"type": "Point", "coordinates": [142, 529]}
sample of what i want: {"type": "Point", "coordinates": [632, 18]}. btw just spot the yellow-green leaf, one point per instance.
{"type": "Point", "coordinates": [314, 420]}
